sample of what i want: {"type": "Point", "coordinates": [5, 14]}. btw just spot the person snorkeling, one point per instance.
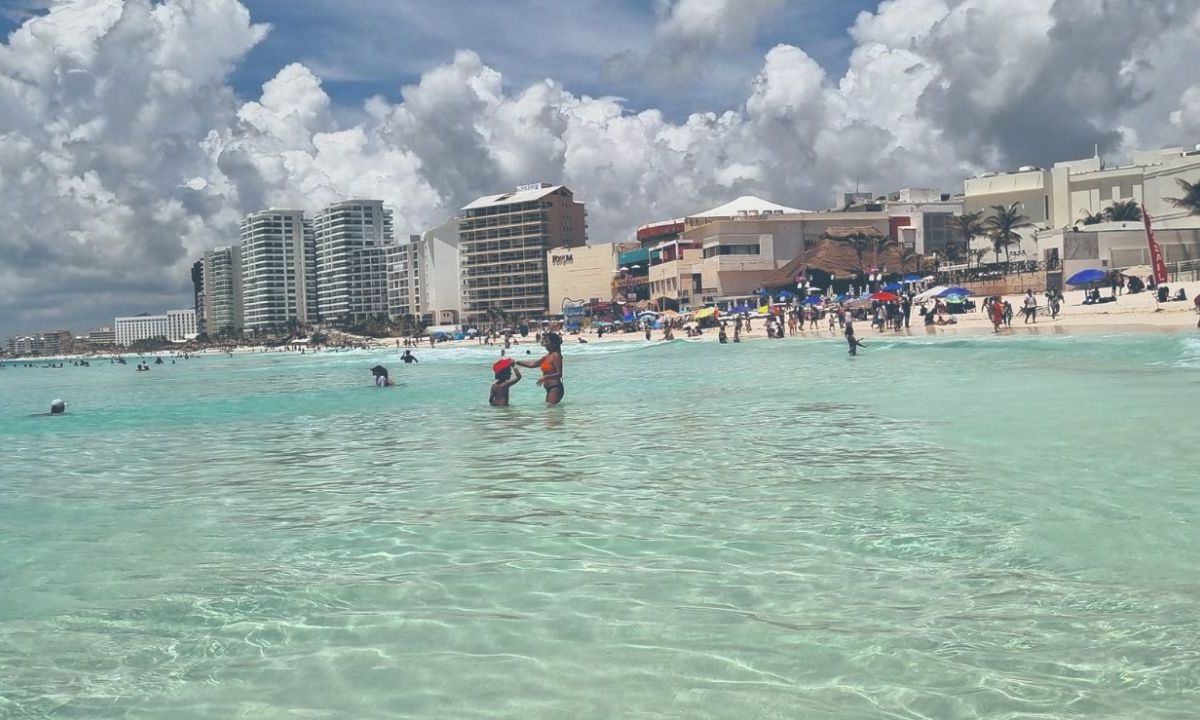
{"type": "Point", "coordinates": [551, 365]}
{"type": "Point", "coordinates": [507, 375]}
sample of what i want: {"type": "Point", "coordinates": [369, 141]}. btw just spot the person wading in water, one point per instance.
{"type": "Point", "coordinates": [551, 366]}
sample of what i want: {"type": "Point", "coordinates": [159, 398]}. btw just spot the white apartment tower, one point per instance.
{"type": "Point", "coordinates": [279, 286]}
{"type": "Point", "coordinates": [404, 282]}
{"type": "Point", "coordinates": [351, 260]}
{"type": "Point", "coordinates": [503, 240]}
{"type": "Point", "coordinates": [223, 290]}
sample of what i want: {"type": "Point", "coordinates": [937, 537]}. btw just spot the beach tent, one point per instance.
{"type": "Point", "coordinates": [955, 291]}
{"type": "Point", "coordinates": [1087, 277]}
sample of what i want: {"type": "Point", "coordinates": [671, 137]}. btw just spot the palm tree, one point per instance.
{"type": "Point", "coordinates": [1191, 197]}
{"type": "Point", "coordinates": [968, 226]}
{"type": "Point", "coordinates": [1002, 225]}
{"type": "Point", "coordinates": [880, 245]}
{"type": "Point", "coordinates": [979, 255]}
{"type": "Point", "coordinates": [858, 241]}
{"type": "Point", "coordinates": [1123, 211]}
{"type": "Point", "coordinates": [1092, 218]}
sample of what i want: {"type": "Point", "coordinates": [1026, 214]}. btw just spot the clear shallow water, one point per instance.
{"type": "Point", "coordinates": [980, 527]}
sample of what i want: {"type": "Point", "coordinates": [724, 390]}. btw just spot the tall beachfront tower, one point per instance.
{"type": "Point", "coordinates": [351, 258]}
{"type": "Point", "coordinates": [404, 282]}
{"type": "Point", "coordinates": [278, 269]}
{"type": "Point", "coordinates": [223, 290]}
{"type": "Point", "coordinates": [198, 293]}
{"type": "Point", "coordinates": [503, 241]}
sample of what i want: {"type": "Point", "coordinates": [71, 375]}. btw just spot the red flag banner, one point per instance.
{"type": "Point", "coordinates": [1156, 256]}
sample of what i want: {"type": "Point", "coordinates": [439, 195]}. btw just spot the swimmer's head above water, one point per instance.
{"type": "Point", "coordinates": [57, 407]}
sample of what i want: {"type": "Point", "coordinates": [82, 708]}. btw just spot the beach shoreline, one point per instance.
{"type": "Point", "coordinates": [1135, 314]}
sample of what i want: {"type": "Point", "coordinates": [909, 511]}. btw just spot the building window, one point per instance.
{"type": "Point", "coordinates": [731, 250]}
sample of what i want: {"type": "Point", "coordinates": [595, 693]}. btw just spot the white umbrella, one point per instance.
{"type": "Point", "coordinates": [929, 294]}
{"type": "Point", "coordinates": [1138, 271]}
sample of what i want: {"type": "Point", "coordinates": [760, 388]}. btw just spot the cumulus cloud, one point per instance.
{"type": "Point", "coordinates": [688, 34]}
{"type": "Point", "coordinates": [124, 152]}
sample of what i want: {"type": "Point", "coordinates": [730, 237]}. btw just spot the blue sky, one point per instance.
{"type": "Point", "coordinates": [367, 47]}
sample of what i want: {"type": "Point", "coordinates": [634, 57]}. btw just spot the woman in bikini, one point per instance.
{"type": "Point", "coordinates": [552, 368]}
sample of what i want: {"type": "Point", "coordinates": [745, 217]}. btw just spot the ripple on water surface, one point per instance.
{"type": "Point", "coordinates": [933, 529]}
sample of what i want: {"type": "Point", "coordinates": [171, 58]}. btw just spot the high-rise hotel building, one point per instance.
{"type": "Point", "coordinates": [223, 290]}
{"type": "Point", "coordinates": [351, 260]}
{"type": "Point", "coordinates": [278, 270]}
{"type": "Point", "coordinates": [503, 244]}
{"type": "Point", "coordinates": [404, 281]}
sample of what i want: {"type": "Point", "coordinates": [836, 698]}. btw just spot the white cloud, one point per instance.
{"type": "Point", "coordinates": [124, 152]}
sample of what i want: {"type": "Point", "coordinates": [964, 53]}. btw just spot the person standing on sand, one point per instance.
{"type": "Point", "coordinates": [1030, 306]}
{"type": "Point", "coordinates": [551, 366]}
{"type": "Point", "coordinates": [1008, 313]}
{"type": "Point", "coordinates": [997, 310]}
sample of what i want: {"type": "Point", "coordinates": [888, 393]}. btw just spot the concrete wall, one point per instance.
{"type": "Point", "coordinates": [582, 273]}
{"type": "Point", "coordinates": [441, 275]}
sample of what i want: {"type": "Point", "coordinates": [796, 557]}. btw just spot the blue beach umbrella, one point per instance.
{"type": "Point", "coordinates": [813, 300]}
{"type": "Point", "coordinates": [1087, 277]}
{"type": "Point", "coordinates": [958, 291]}
{"type": "Point", "coordinates": [912, 278]}
{"type": "Point", "coordinates": [893, 286]}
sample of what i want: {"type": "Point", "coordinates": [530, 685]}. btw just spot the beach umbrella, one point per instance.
{"type": "Point", "coordinates": [1138, 271]}
{"type": "Point", "coordinates": [815, 290]}
{"type": "Point", "coordinates": [892, 286]}
{"type": "Point", "coordinates": [813, 300]}
{"type": "Point", "coordinates": [884, 296]}
{"type": "Point", "coordinates": [956, 299]}
{"type": "Point", "coordinates": [960, 291]}
{"type": "Point", "coordinates": [930, 293]}
{"type": "Point", "coordinates": [1087, 277]}
{"type": "Point", "coordinates": [912, 278]}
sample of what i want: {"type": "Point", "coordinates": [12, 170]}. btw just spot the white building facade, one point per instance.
{"type": "Point", "coordinates": [223, 290]}
{"type": "Point", "coordinates": [278, 259]}
{"type": "Point", "coordinates": [351, 241]}
{"type": "Point", "coordinates": [441, 275]}
{"type": "Point", "coordinates": [404, 287]}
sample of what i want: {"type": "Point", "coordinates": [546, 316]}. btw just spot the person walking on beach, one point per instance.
{"type": "Point", "coordinates": [1008, 313]}
{"type": "Point", "coordinates": [1030, 306]}
{"type": "Point", "coordinates": [551, 366]}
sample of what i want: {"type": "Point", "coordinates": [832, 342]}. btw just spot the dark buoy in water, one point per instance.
{"type": "Point", "coordinates": [57, 407]}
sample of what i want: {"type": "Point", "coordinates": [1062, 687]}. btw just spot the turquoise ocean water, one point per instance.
{"type": "Point", "coordinates": [939, 528]}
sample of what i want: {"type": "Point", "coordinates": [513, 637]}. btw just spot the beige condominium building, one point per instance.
{"type": "Point", "coordinates": [583, 274]}
{"type": "Point", "coordinates": [279, 284]}
{"type": "Point", "coordinates": [223, 290]}
{"type": "Point", "coordinates": [351, 258]}
{"type": "Point", "coordinates": [503, 244]}
{"type": "Point", "coordinates": [738, 255]}
{"type": "Point", "coordinates": [405, 262]}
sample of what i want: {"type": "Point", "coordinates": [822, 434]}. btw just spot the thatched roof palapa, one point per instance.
{"type": "Point", "coordinates": [833, 257]}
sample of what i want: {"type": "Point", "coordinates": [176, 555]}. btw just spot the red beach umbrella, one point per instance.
{"type": "Point", "coordinates": [885, 296]}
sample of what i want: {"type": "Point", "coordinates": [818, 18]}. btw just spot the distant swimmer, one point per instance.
{"type": "Point", "coordinates": [409, 358]}
{"type": "Point", "coordinates": [142, 367]}
{"type": "Point", "coordinates": [507, 375]}
{"type": "Point", "coordinates": [551, 366]}
{"type": "Point", "coordinates": [57, 407]}
{"type": "Point", "coordinates": [382, 379]}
